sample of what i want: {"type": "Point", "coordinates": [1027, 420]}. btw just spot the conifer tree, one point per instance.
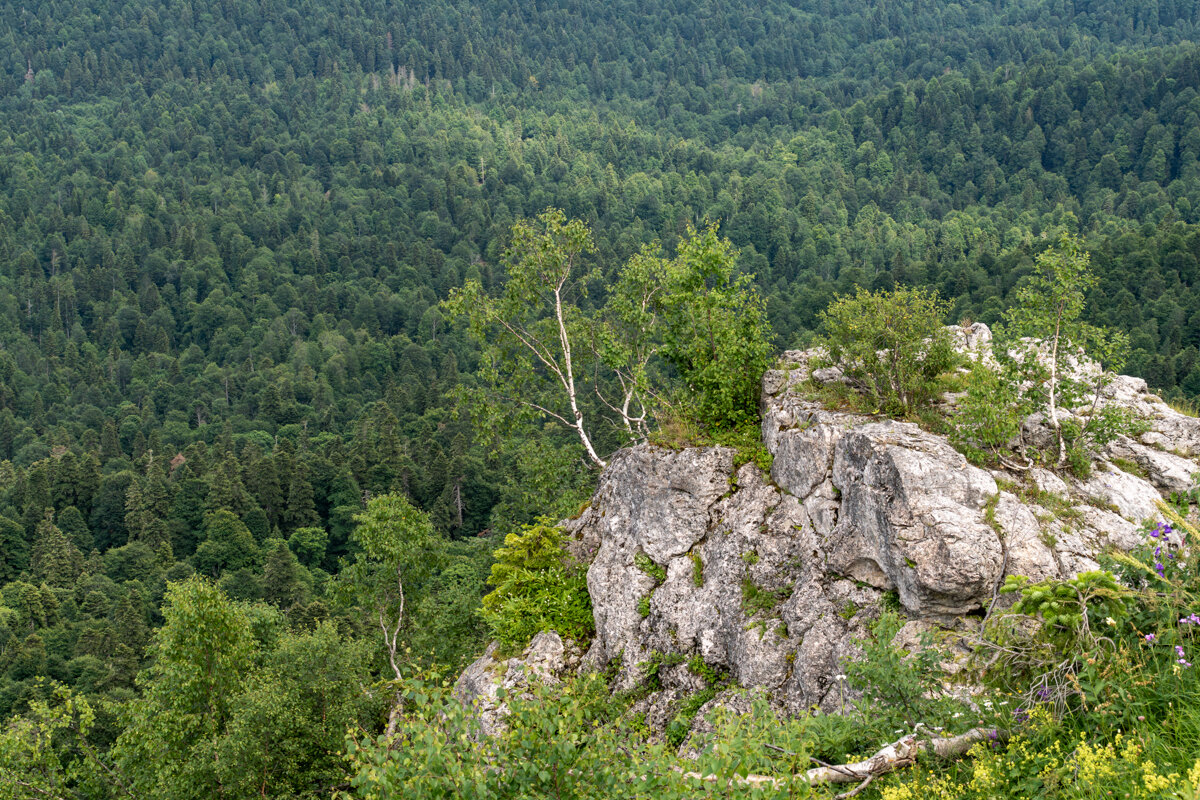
{"type": "Point", "coordinates": [147, 504]}
{"type": "Point", "coordinates": [14, 550]}
{"type": "Point", "coordinates": [55, 561]}
{"type": "Point", "coordinates": [301, 508]}
{"type": "Point", "coordinates": [281, 583]}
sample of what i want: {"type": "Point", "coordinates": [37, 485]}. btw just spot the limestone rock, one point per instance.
{"type": "Point", "coordinates": [912, 519]}
{"type": "Point", "coordinates": [545, 659]}
{"type": "Point", "coordinates": [1130, 496]}
{"type": "Point", "coordinates": [651, 501]}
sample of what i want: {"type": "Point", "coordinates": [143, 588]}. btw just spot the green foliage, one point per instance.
{"type": "Point", "coordinates": [225, 243]}
{"type": "Point", "coordinates": [446, 625]}
{"type": "Point", "coordinates": [1061, 605]}
{"type": "Point", "coordinates": [285, 582]}
{"type": "Point", "coordinates": [899, 688]}
{"type": "Point", "coordinates": [1039, 374]}
{"type": "Point", "coordinates": [1103, 688]}
{"type": "Point", "coordinates": [202, 654]}
{"type": "Point", "coordinates": [759, 600]}
{"type": "Point", "coordinates": [697, 569]}
{"type": "Point", "coordinates": [567, 741]}
{"type": "Point", "coordinates": [692, 313]}
{"type": "Point", "coordinates": [1049, 308]}
{"type": "Point", "coordinates": [234, 702]}
{"type": "Point", "coordinates": [536, 588]}
{"type": "Point", "coordinates": [891, 345]}
{"type": "Point", "coordinates": [287, 725]}
{"type": "Point", "coordinates": [558, 743]}
{"type": "Point", "coordinates": [33, 759]}
{"type": "Point", "coordinates": [309, 545]}
{"type": "Point", "coordinates": [398, 547]}
{"type": "Point", "coordinates": [679, 726]}
{"type": "Point", "coordinates": [228, 545]}
{"type": "Point", "coordinates": [533, 335]}
{"type": "Point", "coordinates": [716, 333]}
{"type": "Point", "coordinates": [394, 533]}
{"type": "Point", "coordinates": [702, 669]}
{"type": "Point", "coordinates": [647, 565]}
{"type": "Point", "coordinates": [989, 416]}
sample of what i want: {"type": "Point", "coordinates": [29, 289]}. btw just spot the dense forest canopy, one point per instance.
{"type": "Point", "coordinates": [225, 231]}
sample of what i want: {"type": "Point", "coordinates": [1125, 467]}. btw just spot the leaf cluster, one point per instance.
{"type": "Point", "coordinates": [536, 587]}
{"type": "Point", "coordinates": [891, 345]}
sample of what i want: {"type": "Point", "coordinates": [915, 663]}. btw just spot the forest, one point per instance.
{"type": "Point", "coordinates": [228, 233]}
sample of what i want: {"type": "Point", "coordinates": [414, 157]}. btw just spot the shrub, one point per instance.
{"type": "Point", "coordinates": [990, 414]}
{"type": "Point", "coordinates": [537, 588]}
{"type": "Point", "coordinates": [891, 345]}
{"type": "Point", "coordinates": [716, 332]}
{"type": "Point", "coordinates": [898, 687]}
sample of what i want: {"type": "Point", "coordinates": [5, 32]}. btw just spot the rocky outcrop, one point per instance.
{"type": "Point", "coordinates": [770, 578]}
{"type": "Point", "coordinates": [746, 589]}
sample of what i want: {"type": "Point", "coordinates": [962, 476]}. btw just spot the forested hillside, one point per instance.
{"type": "Point", "coordinates": [226, 230]}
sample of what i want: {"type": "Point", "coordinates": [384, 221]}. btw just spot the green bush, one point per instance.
{"type": "Point", "coordinates": [716, 332]}
{"type": "Point", "coordinates": [899, 688]}
{"type": "Point", "coordinates": [891, 345]}
{"type": "Point", "coordinates": [989, 415]}
{"type": "Point", "coordinates": [537, 588]}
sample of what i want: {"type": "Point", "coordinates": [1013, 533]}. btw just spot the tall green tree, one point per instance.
{"type": "Point", "coordinates": [398, 545]}
{"type": "Point", "coordinates": [533, 334]}
{"type": "Point", "coordinates": [201, 657]}
{"type": "Point", "coordinates": [55, 560]}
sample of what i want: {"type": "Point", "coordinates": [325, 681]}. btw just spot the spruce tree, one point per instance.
{"type": "Point", "coordinates": [55, 561]}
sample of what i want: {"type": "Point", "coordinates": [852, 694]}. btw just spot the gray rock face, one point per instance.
{"type": "Point", "coordinates": [651, 501]}
{"type": "Point", "coordinates": [751, 595]}
{"type": "Point", "coordinates": [911, 519]}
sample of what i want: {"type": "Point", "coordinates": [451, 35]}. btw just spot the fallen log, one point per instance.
{"type": "Point", "coordinates": [896, 755]}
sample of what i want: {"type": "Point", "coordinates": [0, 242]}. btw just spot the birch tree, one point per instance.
{"type": "Point", "coordinates": [398, 544]}
{"type": "Point", "coordinates": [686, 334]}
{"type": "Point", "coordinates": [533, 334]}
{"type": "Point", "coordinates": [1048, 308]}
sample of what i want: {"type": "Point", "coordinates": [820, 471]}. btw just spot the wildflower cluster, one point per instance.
{"type": "Point", "coordinates": [1164, 610]}
{"type": "Point", "coordinates": [1182, 656]}
{"type": "Point", "coordinates": [1161, 536]}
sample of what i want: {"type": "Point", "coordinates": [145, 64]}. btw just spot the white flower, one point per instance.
{"type": "Point", "coordinates": [1110, 621]}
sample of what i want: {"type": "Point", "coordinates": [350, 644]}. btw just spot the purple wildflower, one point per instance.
{"type": "Point", "coordinates": [1150, 637]}
{"type": "Point", "coordinates": [1182, 660]}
